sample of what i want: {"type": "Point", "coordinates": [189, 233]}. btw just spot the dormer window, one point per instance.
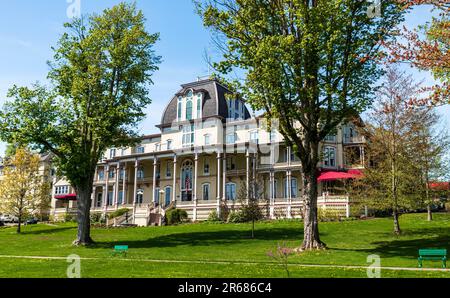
{"type": "Point", "coordinates": [189, 109]}
{"type": "Point", "coordinates": [180, 107]}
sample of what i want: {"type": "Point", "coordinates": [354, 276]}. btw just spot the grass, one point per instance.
{"type": "Point", "coordinates": [226, 250]}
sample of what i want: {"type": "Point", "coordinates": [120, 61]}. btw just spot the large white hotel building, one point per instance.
{"type": "Point", "coordinates": [209, 147]}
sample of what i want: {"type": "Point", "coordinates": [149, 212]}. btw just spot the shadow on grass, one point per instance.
{"type": "Point", "coordinates": [405, 247]}
{"type": "Point", "coordinates": [211, 238]}
{"type": "Point", "coordinates": [49, 230]}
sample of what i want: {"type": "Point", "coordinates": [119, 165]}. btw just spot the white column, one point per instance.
{"type": "Point", "coordinates": [116, 187]}
{"type": "Point", "coordinates": [124, 183]}
{"type": "Point", "coordinates": [174, 188]}
{"type": "Point", "coordinates": [271, 193]}
{"type": "Point", "coordinates": [218, 182]}
{"type": "Point", "coordinates": [105, 202]}
{"type": "Point", "coordinates": [224, 177]}
{"type": "Point", "coordinates": [155, 161]}
{"type": "Point", "coordinates": [195, 186]}
{"type": "Point", "coordinates": [136, 166]}
{"type": "Point", "coordinates": [288, 189]}
{"type": "Point", "coordinates": [247, 156]}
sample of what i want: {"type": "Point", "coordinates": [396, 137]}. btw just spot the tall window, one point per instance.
{"type": "Point", "coordinates": [206, 167]}
{"type": "Point", "coordinates": [230, 191]}
{"type": "Point", "coordinates": [180, 107]}
{"type": "Point", "coordinates": [112, 153]}
{"type": "Point", "coordinates": [168, 169]}
{"type": "Point", "coordinates": [112, 174]}
{"type": "Point", "coordinates": [199, 107]}
{"type": "Point", "coordinates": [110, 198]}
{"type": "Point", "coordinates": [273, 192]}
{"type": "Point", "coordinates": [188, 135]}
{"type": "Point", "coordinates": [293, 188]}
{"type": "Point", "coordinates": [189, 109]}
{"type": "Point", "coordinates": [101, 175]}
{"type": "Point", "coordinates": [157, 189]}
{"type": "Point", "coordinates": [140, 196]}
{"type": "Point", "coordinates": [205, 191]}
{"type": "Point", "coordinates": [329, 156]}
{"type": "Point", "coordinates": [140, 173]}
{"type": "Point", "coordinates": [167, 195]}
{"type": "Point", "coordinates": [99, 200]}
{"type": "Point", "coordinates": [157, 147]}
{"type": "Point", "coordinates": [169, 144]}
{"type": "Point", "coordinates": [122, 174]}
{"type": "Point", "coordinates": [120, 199]}
{"type": "Point", "coordinates": [186, 181]}
{"type": "Point", "coordinates": [230, 164]}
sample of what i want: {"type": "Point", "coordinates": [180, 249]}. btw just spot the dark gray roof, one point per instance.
{"type": "Point", "coordinates": [214, 101]}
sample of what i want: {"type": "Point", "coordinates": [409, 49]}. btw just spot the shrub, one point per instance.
{"type": "Point", "coordinates": [213, 216]}
{"type": "Point", "coordinates": [327, 214]}
{"type": "Point", "coordinates": [118, 213]}
{"type": "Point", "coordinates": [447, 207]}
{"type": "Point", "coordinates": [96, 217]}
{"type": "Point", "coordinates": [175, 216]}
{"type": "Point", "coordinates": [70, 217]}
{"type": "Point", "coordinates": [236, 217]}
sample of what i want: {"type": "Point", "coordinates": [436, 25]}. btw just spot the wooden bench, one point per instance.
{"type": "Point", "coordinates": [433, 254]}
{"type": "Point", "coordinates": [120, 249]}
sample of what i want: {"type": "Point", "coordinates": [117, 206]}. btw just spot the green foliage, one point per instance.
{"type": "Point", "coordinates": [99, 75]}
{"type": "Point", "coordinates": [236, 217]}
{"type": "Point", "coordinates": [213, 216]}
{"type": "Point", "coordinates": [96, 217]}
{"type": "Point", "coordinates": [118, 213]}
{"type": "Point", "coordinates": [68, 217]}
{"type": "Point", "coordinates": [175, 216]}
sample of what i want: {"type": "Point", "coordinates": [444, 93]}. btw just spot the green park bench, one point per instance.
{"type": "Point", "coordinates": [120, 249]}
{"type": "Point", "coordinates": [432, 254]}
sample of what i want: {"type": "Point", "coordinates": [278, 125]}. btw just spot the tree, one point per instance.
{"type": "Point", "coordinates": [429, 53]}
{"type": "Point", "coordinates": [310, 64]}
{"type": "Point", "coordinates": [391, 181]}
{"type": "Point", "coordinates": [250, 199]}
{"type": "Point", "coordinates": [430, 148]}
{"type": "Point", "coordinates": [10, 150]}
{"type": "Point", "coordinates": [23, 191]}
{"type": "Point", "coordinates": [100, 75]}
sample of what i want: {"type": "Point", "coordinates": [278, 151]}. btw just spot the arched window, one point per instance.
{"type": "Point", "coordinates": [186, 180]}
{"type": "Point", "coordinates": [205, 191]}
{"type": "Point", "coordinates": [180, 107]}
{"type": "Point", "coordinates": [329, 156]}
{"type": "Point", "coordinates": [189, 109]}
{"type": "Point", "coordinates": [167, 195]}
{"type": "Point", "coordinates": [199, 106]}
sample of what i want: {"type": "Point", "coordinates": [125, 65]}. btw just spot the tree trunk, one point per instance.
{"type": "Point", "coordinates": [83, 214]}
{"type": "Point", "coordinates": [253, 228]}
{"type": "Point", "coordinates": [397, 230]}
{"type": "Point", "coordinates": [311, 238]}
{"type": "Point", "coordinates": [430, 214]}
{"type": "Point", "coordinates": [18, 225]}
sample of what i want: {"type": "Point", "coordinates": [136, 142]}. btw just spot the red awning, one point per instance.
{"type": "Point", "coordinates": [70, 197]}
{"type": "Point", "coordinates": [331, 176]}
{"type": "Point", "coordinates": [440, 185]}
{"type": "Point", "coordinates": [356, 172]}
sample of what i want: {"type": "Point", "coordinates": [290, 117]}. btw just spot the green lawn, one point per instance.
{"type": "Point", "coordinates": [225, 250]}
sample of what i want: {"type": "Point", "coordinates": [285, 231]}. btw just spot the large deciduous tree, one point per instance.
{"type": "Point", "coordinates": [23, 189]}
{"type": "Point", "coordinates": [311, 64]}
{"type": "Point", "coordinates": [99, 77]}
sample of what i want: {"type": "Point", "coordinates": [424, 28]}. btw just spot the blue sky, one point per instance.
{"type": "Point", "coordinates": [28, 28]}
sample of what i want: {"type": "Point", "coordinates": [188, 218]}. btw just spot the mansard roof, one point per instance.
{"type": "Point", "coordinates": [214, 101]}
